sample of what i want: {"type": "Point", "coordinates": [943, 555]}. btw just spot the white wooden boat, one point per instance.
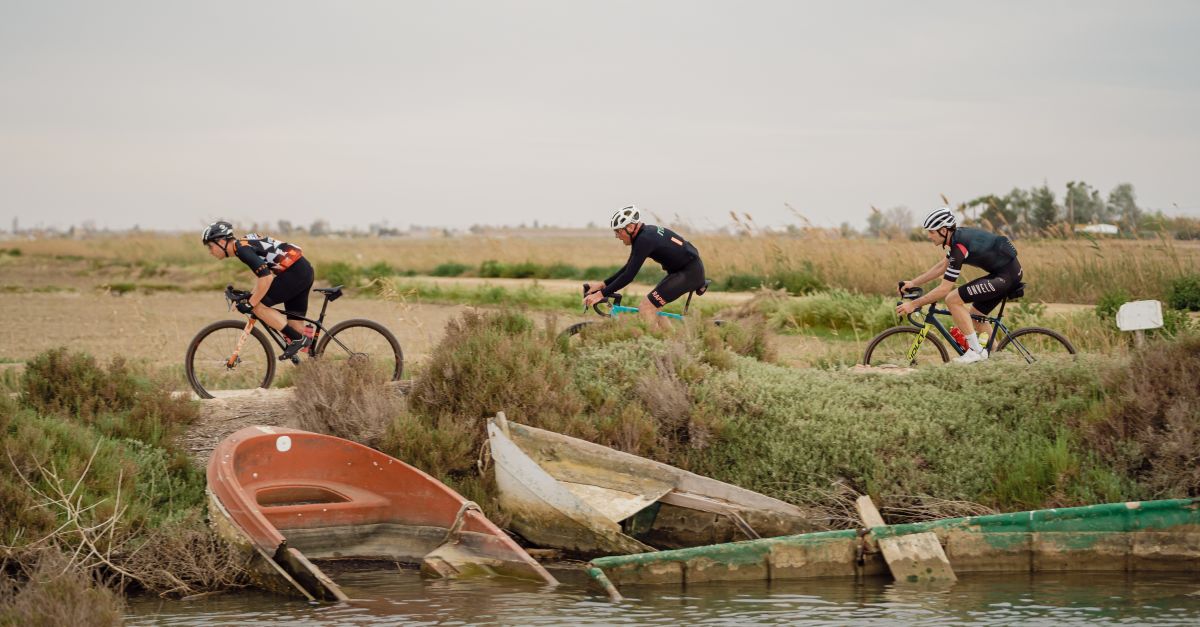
{"type": "Point", "coordinates": [566, 493]}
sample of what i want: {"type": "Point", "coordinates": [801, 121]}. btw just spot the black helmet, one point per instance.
{"type": "Point", "coordinates": [218, 230]}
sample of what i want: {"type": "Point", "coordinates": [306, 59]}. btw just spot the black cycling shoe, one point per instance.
{"type": "Point", "coordinates": [293, 347]}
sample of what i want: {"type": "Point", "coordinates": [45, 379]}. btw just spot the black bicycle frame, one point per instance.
{"type": "Point", "coordinates": [931, 320]}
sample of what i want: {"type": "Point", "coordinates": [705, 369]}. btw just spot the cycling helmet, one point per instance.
{"type": "Point", "coordinates": [217, 231]}
{"type": "Point", "coordinates": [938, 218]}
{"type": "Point", "coordinates": [625, 216]}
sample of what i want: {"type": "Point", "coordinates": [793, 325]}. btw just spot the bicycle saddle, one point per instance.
{"type": "Point", "coordinates": [1017, 292]}
{"type": "Point", "coordinates": [331, 293]}
{"type": "Point", "coordinates": [703, 288]}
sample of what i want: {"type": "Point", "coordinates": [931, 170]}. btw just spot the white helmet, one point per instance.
{"type": "Point", "coordinates": [938, 218]}
{"type": "Point", "coordinates": [625, 216]}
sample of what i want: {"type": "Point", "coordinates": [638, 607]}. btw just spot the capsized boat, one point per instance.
{"type": "Point", "coordinates": [567, 493]}
{"type": "Point", "coordinates": [1141, 536]}
{"type": "Point", "coordinates": [287, 497]}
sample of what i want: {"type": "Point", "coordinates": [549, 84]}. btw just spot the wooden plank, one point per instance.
{"type": "Point", "coordinates": [918, 557]}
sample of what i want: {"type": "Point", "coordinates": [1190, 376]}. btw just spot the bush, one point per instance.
{"type": "Point", "coordinates": [797, 282]}
{"type": "Point", "coordinates": [1150, 428]}
{"type": "Point", "coordinates": [347, 399]}
{"type": "Point", "coordinates": [836, 310]}
{"type": "Point", "coordinates": [1184, 293]}
{"type": "Point", "coordinates": [51, 593]}
{"type": "Point", "coordinates": [338, 273]}
{"type": "Point", "coordinates": [491, 362]}
{"type": "Point", "coordinates": [380, 270]}
{"type": "Point", "coordinates": [1109, 302]}
{"type": "Point", "coordinates": [73, 384]}
{"type": "Point", "coordinates": [112, 398]}
{"type": "Point", "coordinates": [449, 269]}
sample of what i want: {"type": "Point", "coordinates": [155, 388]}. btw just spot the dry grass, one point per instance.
{"type": "Point", "coordinates": [43, 590]}
{"type": "Point", "coordinates": [347, 399]}
{"type": "Point", "coordinates": [1072, 271]}
{"type": "Point", "coordinates": [1150, 426]}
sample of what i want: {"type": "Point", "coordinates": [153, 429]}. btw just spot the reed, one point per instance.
{"type": "Point", "coordinates": [1057, 270]}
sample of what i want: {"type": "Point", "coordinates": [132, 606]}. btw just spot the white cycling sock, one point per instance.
{"type": "Point", "coordinates": [973, 342]}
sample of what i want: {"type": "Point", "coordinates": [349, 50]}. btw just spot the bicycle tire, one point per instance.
{"type": "Point", "coordinates": [1051, 340]}
{"type": "Point", "coordinates": [205, 371]}
{"type": "Point", "coordinates": [874, 352]}
{"type": "Point", "coordinates": [378, 344]}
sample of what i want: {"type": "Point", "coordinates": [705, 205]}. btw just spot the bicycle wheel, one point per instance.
{"type": "Point", "coordinates": [1035, 344]}
{"type": "Point", "coordinates": [208, 355]}
{"type": "Point", "coordinates": [364, 341]}
{"type": "Point", "coordinates": [568, 338]}
{"type": "Point", "coordinates": [891, 348]}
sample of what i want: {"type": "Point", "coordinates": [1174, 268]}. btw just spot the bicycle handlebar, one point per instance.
{"type": "Point", "coordinates": [616, 300]}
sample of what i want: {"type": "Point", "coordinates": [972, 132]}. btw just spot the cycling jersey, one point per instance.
{"type": "Point", "coordinates": [978, 248]}
{"type": "Point", "coordinates": [659, 243]}
{"type": "Point", "coordinates": [265, 255]}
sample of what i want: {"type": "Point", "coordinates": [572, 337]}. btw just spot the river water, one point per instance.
{"type": "Point", "coordinates": [403, 597]}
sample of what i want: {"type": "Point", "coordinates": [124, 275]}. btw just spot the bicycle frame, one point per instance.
{"type": "Point", "coordinates": [617, 308]}
{"type": "Point", "coordinates": [931, 322]}
{"type": "Point", "coordinates": [278, 337]}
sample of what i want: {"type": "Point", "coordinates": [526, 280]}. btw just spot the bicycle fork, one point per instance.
{"type": "Point", "coordinates": [232, 362]}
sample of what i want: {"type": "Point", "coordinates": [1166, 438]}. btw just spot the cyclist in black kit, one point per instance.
{"type": "Point", "coordinates": [974, 247]}
{"type": "Point", "coordinates": [284, 276]}
{"type": "Point", "coordinates": [680, 259]}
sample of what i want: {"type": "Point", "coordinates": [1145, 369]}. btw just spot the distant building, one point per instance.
{"type": "Point", "coordinates": [1098, 229]}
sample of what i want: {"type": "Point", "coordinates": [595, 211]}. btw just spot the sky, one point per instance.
{"type": "Point", "coordinates": [168, 114]}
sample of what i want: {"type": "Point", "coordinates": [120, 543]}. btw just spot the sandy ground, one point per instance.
{"type": "Point", "coordinates": [156, 328]}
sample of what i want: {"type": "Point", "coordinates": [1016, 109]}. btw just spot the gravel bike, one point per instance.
{"type": "Point", "coordinates": [236, 355]}
{"type": "Point", "coordinates": [615, 309]}
{"type": "Point", "coordinates": [902, 345]}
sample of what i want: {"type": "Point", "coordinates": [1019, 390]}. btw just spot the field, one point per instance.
{"type": "Point", "coordinates": [1057, 271]}
{"type": "Point", "coordinates": [142, 296]}
{"type": "Point", "coordinates": [771, 402]}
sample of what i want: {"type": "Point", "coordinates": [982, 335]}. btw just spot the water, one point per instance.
{"type": "Point", "coordinates": [403, 597]}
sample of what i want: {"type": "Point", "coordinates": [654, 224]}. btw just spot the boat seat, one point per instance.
{"type": "Point", "coordinates": [283, 502]}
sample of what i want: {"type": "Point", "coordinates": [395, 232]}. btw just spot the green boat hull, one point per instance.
{"type": "Point", "coordinates": [1137, 536]}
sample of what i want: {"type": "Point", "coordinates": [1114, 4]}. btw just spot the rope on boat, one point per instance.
{"type": "Point", "coordinates": [459, 519]}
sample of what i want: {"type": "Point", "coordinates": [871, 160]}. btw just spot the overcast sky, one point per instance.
{"type": "Point", "coordinates": [170, 114]}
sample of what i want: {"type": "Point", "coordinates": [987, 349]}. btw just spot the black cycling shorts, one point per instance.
{"type": "Point", "coordinates": [986, 292]}
{"type": "Point", "coordinates": [676, 284]}
{"type": "Point", "coordinates": [291, 287]}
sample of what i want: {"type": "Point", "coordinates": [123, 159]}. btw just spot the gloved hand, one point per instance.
{"type": "Point", "coordinates": [245, 307]}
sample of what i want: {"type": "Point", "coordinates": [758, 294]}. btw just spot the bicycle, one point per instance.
{"type": "Point", "coordinates": [894, 347]}
{"type": "Point", "coordinates": [615, 309]}
{"type": "Point", "coordinates": [220, 358]}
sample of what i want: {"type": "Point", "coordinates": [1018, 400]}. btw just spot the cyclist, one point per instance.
{"type": "Point", "coordinates": [284, 276]}
{"type": "Point", "coordinates": [680, 259]}
{"type": "Point", "coordinates": [995, 254]}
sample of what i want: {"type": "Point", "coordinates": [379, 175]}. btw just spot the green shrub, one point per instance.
{"type": "Point", "coordinates": [380, 270]}
{"type": "Point", "coordinates": [1109, 302]}
{"type": "Point", "coordinates": [796, 282]}
{"type": "Point", "coordinates": [491, 362]}
{"type": "Point", "coordinates": [57, 381]}
{"type": "Point", "coordinates": [562, 271]}
{"type": "Point", "coordinates": [837, 310]}
{"type": "Point", "coordinates": [449, 269]}
{"type": "Point", "coordinates": [338, 273]}
{"type": "Point", "coordinates": [1184, 293]}
{"type": "Point", "coordinates": [490, 269]}
{"type": "Point", "coordinates": [742, 282]}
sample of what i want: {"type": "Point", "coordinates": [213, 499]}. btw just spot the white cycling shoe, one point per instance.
{"type": "Point", "coordinates": [971, 356]}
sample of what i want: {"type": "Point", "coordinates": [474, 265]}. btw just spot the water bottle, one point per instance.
{"type": "Point", "coordinates": [958, 337]}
